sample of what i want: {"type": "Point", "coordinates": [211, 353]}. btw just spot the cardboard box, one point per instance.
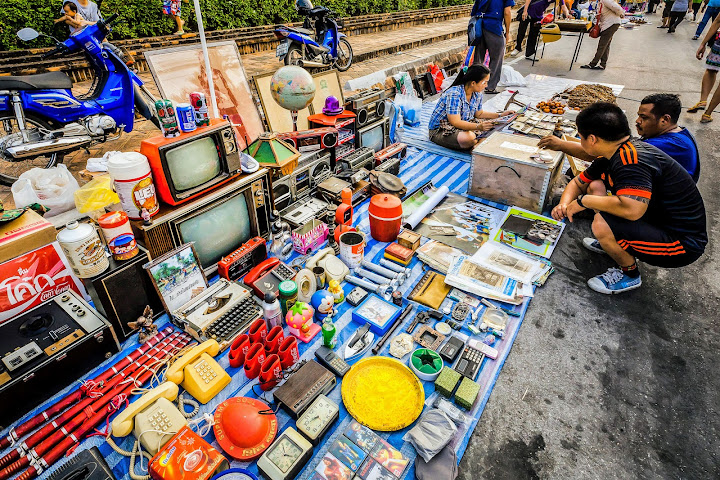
{"type": "Point", "coordinates": [24, 234]}
{"type": "Point", "coordinates": [503, 171]}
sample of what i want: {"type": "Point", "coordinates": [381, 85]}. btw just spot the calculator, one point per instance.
{"type": "Point", "coordinates": [332, 361]}
{"type": "Point", "coordinates": [469, 363]}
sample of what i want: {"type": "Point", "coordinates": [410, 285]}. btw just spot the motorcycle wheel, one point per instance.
{"type": "Point", "coordinates": [11, 169]}
{"type": "Point", "coordinates": [294, 55]}
{"type": "Point", "coordinates": [345, 55]}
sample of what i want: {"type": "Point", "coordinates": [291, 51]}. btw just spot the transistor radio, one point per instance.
{"type": "Point", "coordinates": [221, 312]}
{"type": "Point", "coordinates": [302, 211]}
{"type": "Point", "coordinates": [395, 151]}
{"type": "Point", "coordinates": [304, 386]}
{"type": "Point", "coordinates": [360, 158]}
{"type": "Point", "coordinates": [311, 140]}
{"type": "Point", "coordinates": [238, 263]}
{"type": "Point", "coordinates": [368, 105]}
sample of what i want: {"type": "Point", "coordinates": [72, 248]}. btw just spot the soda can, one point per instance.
{"type": "Point", "coordinates": [168, 119]}
{"type": "Point", "coordinates": [199, 104]}
{"type": "Point", "coordinates": [186, 117]}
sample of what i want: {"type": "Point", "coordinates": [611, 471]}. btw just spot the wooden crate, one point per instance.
{"type": "Point", "coordinates": [503, 171]}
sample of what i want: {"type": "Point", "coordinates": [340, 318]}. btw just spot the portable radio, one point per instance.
{"type": "Point", "coordinates": [391, 152]}
{"type": "Point", "coordinates": [368, 105]}
{"type": "Point", "coordinates": [311, 140]}
{"type": "Point", "coordinates": [242, 260]}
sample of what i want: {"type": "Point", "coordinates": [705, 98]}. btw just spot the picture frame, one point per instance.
{"type": "Point", "coordinates": [377, 312]}
{"type": "Point", "coordinates": [326, 83]}
{"type": "Point", "coordinates": [278, 119]}
{"type": "Point", "coordinates": [177, 276]}
{"type": "Point", "coordinates": [179, 71]}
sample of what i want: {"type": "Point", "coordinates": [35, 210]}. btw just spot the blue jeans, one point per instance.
{"type": "Point", "coordinates": [710, 14]}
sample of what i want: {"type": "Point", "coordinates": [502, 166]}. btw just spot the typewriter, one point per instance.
{"type": "Point", "coordinates": [221, 312]}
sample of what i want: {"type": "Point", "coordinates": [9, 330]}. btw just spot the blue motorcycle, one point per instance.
{"type": "Point", "coordinates": [41, 120]}
{"type": "Point", "coordinates": [323, 46]}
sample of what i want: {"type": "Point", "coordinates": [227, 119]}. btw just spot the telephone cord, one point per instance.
{"type": "Point", "coordinates": [132, 454]}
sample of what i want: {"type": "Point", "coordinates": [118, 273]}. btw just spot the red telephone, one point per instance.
{"type": "Point", "coordinates": [267, 276]}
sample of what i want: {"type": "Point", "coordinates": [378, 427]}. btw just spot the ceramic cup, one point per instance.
{"type": "Point", "coordinates": [270, 373]}
{"type": "Point", "coordinates": [238, 351]}
{"type": "Point", "coordinates": [254, 360]}
{"type": "Point", "coordinates": [289, 353]}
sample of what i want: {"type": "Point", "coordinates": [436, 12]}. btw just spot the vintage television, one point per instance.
{"type": "Point", "coordinates": [193, 163]}
{"type": "Point", "coordinates": [374, 136]}
{"type": "Point", "coordinates": [219, 222]}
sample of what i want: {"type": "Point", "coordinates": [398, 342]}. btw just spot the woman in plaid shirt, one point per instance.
{"type": "Point", "coordinates": [458, 114]}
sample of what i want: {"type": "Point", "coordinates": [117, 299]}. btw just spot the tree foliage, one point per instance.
{"type": "Point", "coordinates": [144, 18]}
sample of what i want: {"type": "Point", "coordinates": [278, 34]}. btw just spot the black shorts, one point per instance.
{"type": "Point", "coordinates": [650, 243]}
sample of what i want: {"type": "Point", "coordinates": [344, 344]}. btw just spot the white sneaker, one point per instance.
{"type": "Point", "coordinates": [515, 53]}
{"type": "Point", "coordinates": [593, 245]}
{"type": "Point", "coordinates": [614, 281]}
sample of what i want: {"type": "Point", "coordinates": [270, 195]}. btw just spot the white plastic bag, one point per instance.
{"type": "Point", "coordinates": [410, 106]}
{"type": "Point", "coordinates": [509, 77]}
{"type": "Point", "coordinates": [53, 188]}
{"type": "Point", "coordinates": [689, 16]}
{"type": "Point", "coordinates": [431, 433]}
{"type": "Point", "coordinates": [447, 83]}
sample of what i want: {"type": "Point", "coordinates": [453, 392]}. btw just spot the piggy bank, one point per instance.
{"type": "Point", "coordinates": [323, 302]}
{"type": "Point", "coordinates": [299, 319]}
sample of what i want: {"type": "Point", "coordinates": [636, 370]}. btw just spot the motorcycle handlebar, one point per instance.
{"type": "Point", "coordinates": [111, 19]}
{"type": "Point", "coordinates": [54, 51]}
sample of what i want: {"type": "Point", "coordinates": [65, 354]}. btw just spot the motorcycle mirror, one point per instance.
{"type": "Point", "coordinates": [27, 34]}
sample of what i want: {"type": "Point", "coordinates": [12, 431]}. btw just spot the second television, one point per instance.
{"type": "Point", "coordinates": [375, 135]}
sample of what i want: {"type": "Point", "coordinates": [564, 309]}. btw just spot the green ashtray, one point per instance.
{"type": "Point", "coordinates": [426, 364]}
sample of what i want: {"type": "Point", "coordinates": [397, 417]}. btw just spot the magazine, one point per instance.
{"type": "Point", "coordinates": [474, 278]}
{"type": "Point", "coordinates": [508, 262]}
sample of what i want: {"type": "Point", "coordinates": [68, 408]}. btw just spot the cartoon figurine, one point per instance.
{"type": "Point", "coordinates": [300, 321]}
{"type": "Point", "coordinates": [337, 292]}
{"type": "Point", "coordinates": [145, 323]}
{"type": "Point", "coordinates": [147, 219]}
{"type": "Point", "coordinates": [323, 302]}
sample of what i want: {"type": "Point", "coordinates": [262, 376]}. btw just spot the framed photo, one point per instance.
{"type": "Point", "coordinates": [278, 119]}
{"type": "Point", "coordinates": [180, 71]}
{"type": "Point", "coordinates": [177, 277]}
{"type": "Point", "coordinates": [377, 312]}
{"type": "Point", "coordinates": [326, 83]}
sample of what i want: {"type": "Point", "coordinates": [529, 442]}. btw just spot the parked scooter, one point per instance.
{"type": "Point", "coordinates": [315, 48]}
{"type": "Point", "coordinates": [41, 120]}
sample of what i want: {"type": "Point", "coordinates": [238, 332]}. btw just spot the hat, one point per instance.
{"type": "Point", "coordinates": [244, 427]}
{"type": "Point", "coordinates": [332, 106]}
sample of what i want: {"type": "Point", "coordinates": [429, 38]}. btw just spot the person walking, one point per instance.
{"type": "Point", "coordinates": [491, 15]}
{"type": "Point", "coordinates": [666, 14]}
{"type": "Point", "coordinates": [677, 14]}
{"type": "Point", "coordinates": [610, 13]}
{"type": "Point", "coordinates": [712, 66]}
{"type": "Point", "coordinates": [696, 4]}
{"type": "Point", "coordinates": [529, 16]}
{"type": "Point", "coordinates": [712, 8]}
{"type": "Point", "coordinates": [173, 8]}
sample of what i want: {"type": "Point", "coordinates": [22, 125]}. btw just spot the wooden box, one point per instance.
{"type": "Point", "coordinates": [503, 171]}
{"type": "Point", "coordinates": [409, 239]}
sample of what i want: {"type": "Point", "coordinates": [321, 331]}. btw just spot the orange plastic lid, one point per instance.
{"type": "Point", "coordinates": [112, 219]}
{"type": "Point", "coordinates": [385, 205]}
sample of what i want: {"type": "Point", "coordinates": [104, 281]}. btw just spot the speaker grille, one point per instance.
{"type": "Point", "coordinates": [159, 240]}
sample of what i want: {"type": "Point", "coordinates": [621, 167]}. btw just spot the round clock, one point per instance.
{"type": "Point", "coordinates": [318, 418]}
{"type": "Point", "coordinates": [286, 456]}
{"type": "Point", "coordinates": [235, 474]}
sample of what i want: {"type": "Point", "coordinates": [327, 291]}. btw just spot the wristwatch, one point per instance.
{"type": "Point", "coordinates": [579, 201]}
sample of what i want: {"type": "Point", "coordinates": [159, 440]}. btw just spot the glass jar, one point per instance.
{"type": "Point", "coordinates": [288, 295]}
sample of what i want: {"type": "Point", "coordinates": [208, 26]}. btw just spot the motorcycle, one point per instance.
{"type": "Point", "coordinates": [329, 47]}
{"type": "Point", "coordinates": [41, 120]}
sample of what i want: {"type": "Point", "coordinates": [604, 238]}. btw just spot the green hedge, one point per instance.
{"type": "Point", "coordinates": [144, 18]}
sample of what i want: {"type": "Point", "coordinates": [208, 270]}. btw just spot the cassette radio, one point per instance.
{"type": "Point", "coordinates": [388, 159]}
{"type": "Point", "coordinates": [302, 211]}
{"type": "Point", "coordinates": [242, 260]}
{"type": "Point", "coordinates": [311, 140]}
{"type": "Point", "coordinates": [368, 105]}
{"type": "Point", "coordinates": [330, 190]}
{"type": "Point", "coordinates": [313, 169]}
{"type": "Point", "coordinates": [360, 158]}
{"type": "Point", "coordinates": [221, 312]}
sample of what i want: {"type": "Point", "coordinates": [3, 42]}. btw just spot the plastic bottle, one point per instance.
{"type": "Point", "coordinates": [271, 310]}
{"type": "Point", "coordinates": [329, 333]}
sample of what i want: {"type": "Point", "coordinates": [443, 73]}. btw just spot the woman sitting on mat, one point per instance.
{"type": "Point", "coordinates": [458, 114]}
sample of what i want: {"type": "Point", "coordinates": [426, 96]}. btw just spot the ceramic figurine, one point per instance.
{"type": "Point", "coordinates": [323, 302]}
{"type": "Point", "coordinates": [300, 322]}
{"type": "Point", "coordinates": [145, 323]}
{"type": "Point", "coordinates": [336, 291]}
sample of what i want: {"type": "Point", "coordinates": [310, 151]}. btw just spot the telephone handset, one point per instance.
{"type": "Point", "coordinates": [199, 373]}
{"type": "Point", "coordinates": [152, 418]}
{"type": "Point", "coordinates": [267, 276]}
{"type": "Point", "coordinates": [335, 269]}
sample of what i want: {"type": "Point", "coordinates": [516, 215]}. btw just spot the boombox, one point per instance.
{"type": "Point", "coordinates": [368, 105]}
{"type": "Point", "coordinates": [312, 169]}
{"type": "Point", "coordinates": [360, 158]}
{"type": "Point", "coordinates": [311, 140]}
{"type": "Point", "coordinates": [396, 150]}
{"type": "Point", "coordinates": [237, 264]}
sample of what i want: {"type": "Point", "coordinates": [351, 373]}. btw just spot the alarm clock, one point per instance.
{"type": "Point", "coordinates": [286, 456]}
{"type": "Point", "coordinates": [318, 418]}
{"type": "Point", "coordinates": [235, 474]}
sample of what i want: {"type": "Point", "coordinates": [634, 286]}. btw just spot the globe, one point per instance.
{"type": "Point", "coordinates": [292, 87]}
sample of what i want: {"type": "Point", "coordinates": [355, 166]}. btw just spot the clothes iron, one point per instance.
{"type": "Point", "coordinates": [359, 343]}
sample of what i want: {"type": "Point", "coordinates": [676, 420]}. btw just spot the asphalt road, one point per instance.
{"type": "Point", "coordinates": [626, 386]}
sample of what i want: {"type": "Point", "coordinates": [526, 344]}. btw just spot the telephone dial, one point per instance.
{"type": "Point", "coordinates": [152, 418]}
{"type": "Point", "coordinates": [267, 276]}
{"type": "Point", "coordinates": [198, 373]}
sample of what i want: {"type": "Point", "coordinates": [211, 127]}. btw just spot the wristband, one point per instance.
{"type": "Point", "coordinates": [579, 201]}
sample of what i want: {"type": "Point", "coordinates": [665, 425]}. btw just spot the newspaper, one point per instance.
{"type": "Point", "coordinates": [437, 255]}
{"type": "Point", "coordinates": [508, 262]}
{"type": "Point", "coordinates": [471, 277]}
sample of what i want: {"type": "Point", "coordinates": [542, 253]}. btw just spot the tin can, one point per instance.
{"type": "Point", "coordinates": [83, 248]}
{"type": "Point", "coordinates": [168, 119]}
{"type": "Point", "coordinates": [118, 235]}
{"type": "Point", "coordinates": [200, 108]}
{"type": "Point", "coordinates": [186, 117]}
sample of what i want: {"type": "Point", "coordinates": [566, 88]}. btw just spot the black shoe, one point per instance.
{"type": "Point", "coordinates": [591, 67]}
{"type": "Point", "coordinates": [599, 67]}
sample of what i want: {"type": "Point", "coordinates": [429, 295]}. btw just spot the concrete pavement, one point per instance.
{"type": "Point", "coordinates": [622, 387]}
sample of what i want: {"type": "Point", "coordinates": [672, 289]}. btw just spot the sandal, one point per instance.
{"type": "Point", "coordinates": [706, 118]}
{"type": "Point", "coordinates": [697, 107]}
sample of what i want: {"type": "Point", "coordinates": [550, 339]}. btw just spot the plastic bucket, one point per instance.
{"type": "Point", "coordinates": [133, 183]}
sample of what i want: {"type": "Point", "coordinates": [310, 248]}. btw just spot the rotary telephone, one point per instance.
{"type": "Point", "coordinates": [152, 418]}
{"type": "Point", "coordinates": [335, 269]}
{"type": "Point", "coordinates": [267, 276]}
{"type": "Point", "coordinates": [199, 373]}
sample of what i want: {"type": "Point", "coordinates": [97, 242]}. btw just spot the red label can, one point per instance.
{"type": "Point", "coordinates": [200, 108]}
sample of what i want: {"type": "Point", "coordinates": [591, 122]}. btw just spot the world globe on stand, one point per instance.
{"type": "Point", "coordinates": [292, 87]}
